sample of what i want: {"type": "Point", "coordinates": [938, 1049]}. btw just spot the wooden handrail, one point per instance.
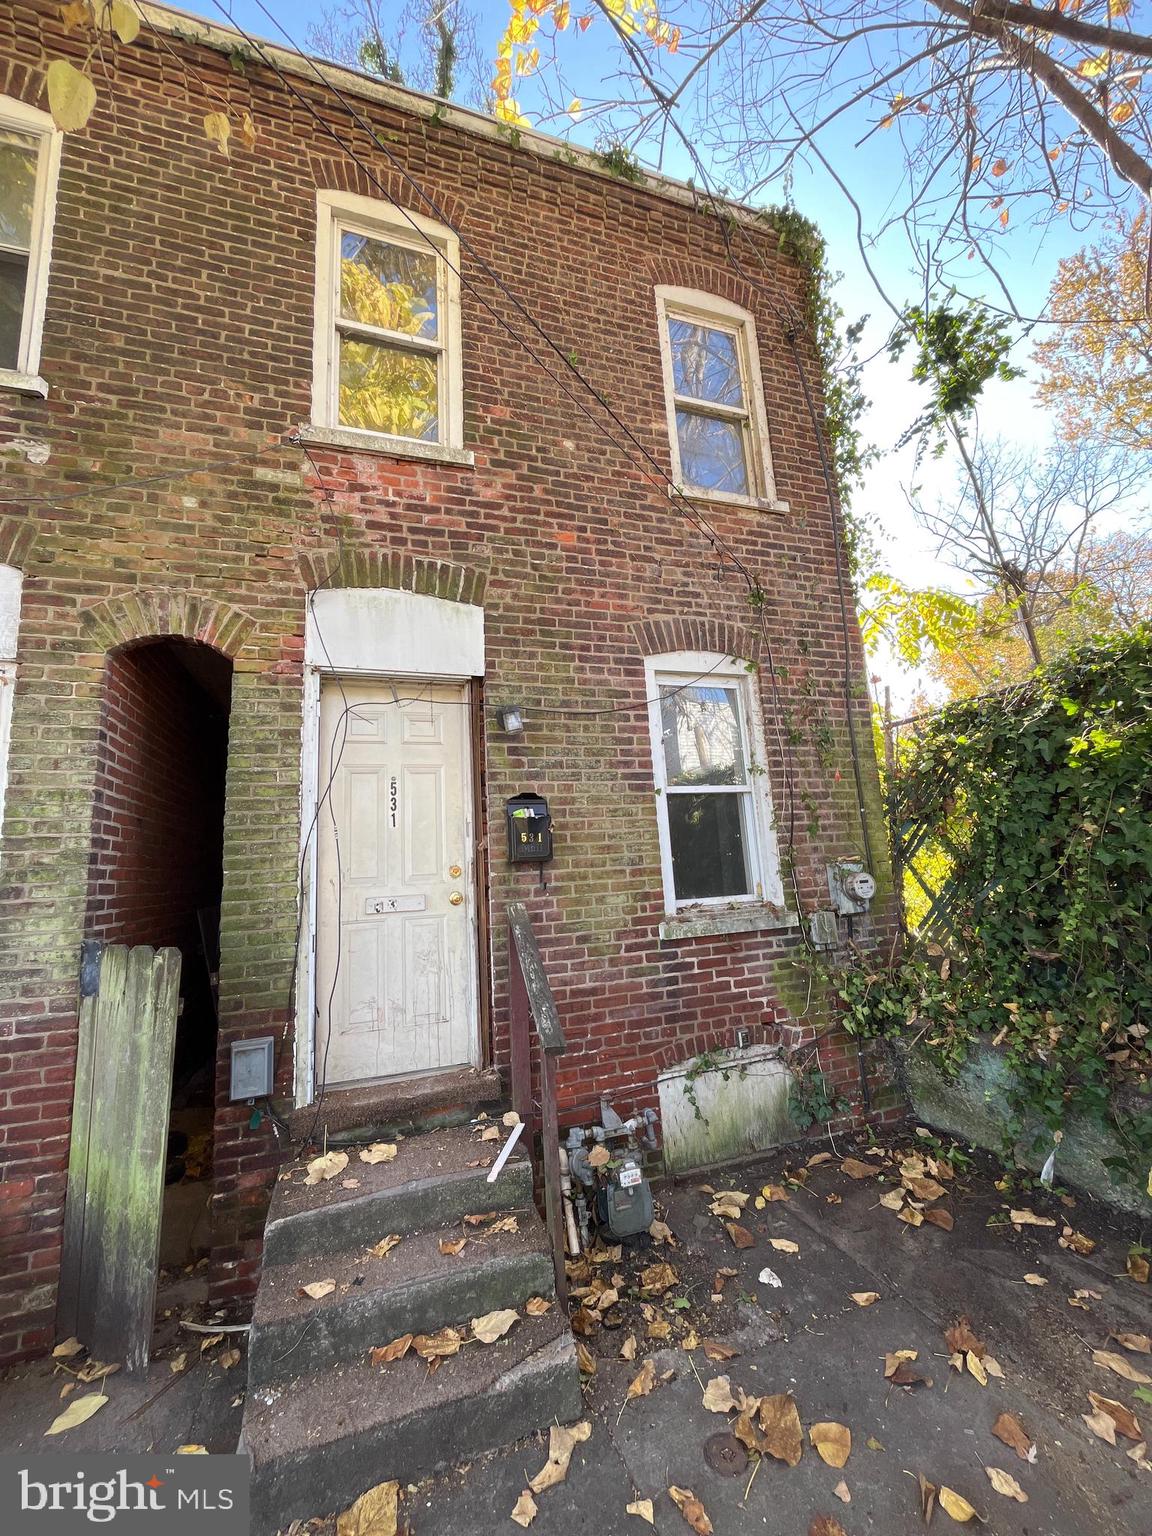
{"type": "Point", "coordinates": [532, 1011]}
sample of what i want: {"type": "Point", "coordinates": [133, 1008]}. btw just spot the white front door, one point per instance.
{"type": "Point", "coordinates": [395, 942]}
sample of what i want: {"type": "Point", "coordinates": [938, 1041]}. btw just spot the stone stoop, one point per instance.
{"type": "Point", "coordinates": [321, 1424]}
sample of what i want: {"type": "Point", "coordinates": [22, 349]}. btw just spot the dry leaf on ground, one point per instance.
{"type": "Point", "coordinates": [536, 1306]}
{"type": "Point", "coordinates": [892, 1199]}
{"type": "Point", "coordinates": [1124, 1419]}
{"type": "Point", "coordinates": [585, 1359]}
{"type": "Point", "coordinates": [784, 1245]}
{"type": "Point", "coordinates": [1005, 1483]}
{"type": "Point", "coordinates": [384, 1354]}
{"type": "Point", "coordinates": [780, 1427]}
{"type": "Point", "coordinates": [976, 1367]}
{"type": "Point", "coordinates": [1077, 1242]}
{"type": "Point", "coordinates": [317, 1290]}
{"type": "Point", "coordinates": [1138, 1268]}
{"type": "Point", "coordinates": [510, 1119]}
{"type": "Point", "coordinates": [833, 1443]}
{"type": "Point", "coordinates": [78, 1411]}
{"type": "Point", "coordinates": [1029, 1219]}
{"type": "Point", "coordinates": [842, 1492]}
{"type": "Point", "coordinates": [490, 1133]}
{"type": "Point", "coordinates": [451, 1246]}
{"type": "Point", "coordinates": [827, 1525]}
{"type": "Point", "coordinates": [741, 1237]}
{"type": "Point", "coordinates": [1101, 1425]}
{"type": "Point", "coordinates": [641, 1384]}
{"type": "Point", "coordinates": [940, 1218]}
{"type": "Point", "coordinates": [525, 1511]}
{"type": "Point", "coordinates": [628, 1348]}
{"type": "Point", "coordinates": [865, 1298]}
{"type": "Point", "coordinates": [177, 1364]}
{"type": "Point", "coordinates": [660, 1329]}
{"type": "Point", "coordinates": [1035, 1280]}
{"type": "Point", "coordinates": [643, 1508]}
{"type": "Point", "coordinates": [1117, 1363]}
{"type": "Point", "coordinates": [911, 1216]}
{"type": "Point", "coordinates": [961, 1340]}
{"type": "Point", "coordinates": [505, 1224]}
{"type": "Point", "coordinates": [718, 1395]}
{"type": "Point", "coordinates": [374, 1513]}
{"type": "Point", "coordinates": [349, 1183]}
{"type": "Point", "coordinates": [326, 1167]}
{"type": "Point", "coordinates": [1009, 1429]}
{"type": "Point", "coordinates": [385, 1246]}
{"type": "Point", "coordinates": [227, 1358]}
{"type": "Point", "coordinates": [437, 1346]}
{"type": "Point", "coordinates": [378, 1152]}
{"type": "Point", "coordinates": [928, 1493]}
{"type": "Point", "coordinates": [895, 1357]}
{"type": "Point", "coordinates": [661, 1232]}
{"type": "Point", "coordinates": [692, 1510]}
{"type": "Point", "coordinates": [958, 1507]}
{"type": "Point", "coordinates": [494, 1325]}
{"type": "Point", "coordinates": [561, 1443]}
{"type": "Point", "coordinates": [191, 1450]}
{"type": "Point", "coordinates": [717, 1351]}
{"type": "Point", "coordinates": [855, 1169]}
{"type": "Point", "coordinates": [1139, 1343]}
{"type": "Point", "coordinates": [66, 1350]}
{"type": "Point", "coordinates": [925, 1188]}
{"type": "Point", "coordinates": [772, 1192]}
{"type": "Point", "coordinates": [658, 1278]}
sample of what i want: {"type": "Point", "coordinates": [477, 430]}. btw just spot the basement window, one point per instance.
{"type": "Point", "coordinates": [29, 165]}
{"type": "Point", "coordinates": [715, 400]}
{"type": "Point", "coordinates": [387, 338]}
{"type": "Point", "coordinates": [713, 806]}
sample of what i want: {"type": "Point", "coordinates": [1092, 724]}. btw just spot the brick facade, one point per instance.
{"type": "Point", "coordinates": [177, 349]}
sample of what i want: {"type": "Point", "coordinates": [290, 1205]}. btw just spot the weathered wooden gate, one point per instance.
{"type": "Point", "coordinates": [128, 1005]}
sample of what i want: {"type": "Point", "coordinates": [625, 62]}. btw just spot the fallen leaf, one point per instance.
{"type": "Point", "coordinates": [661, 1328]}
{"type": "Point", "coordinates": [494, 1325]}
{"type": "Point", "coordinates": [385, 1246]}
{"type": "Point", "coordinates": [940, 1218]}
{"type": "Point", "coordinates": [1102, 1425]}
{"type": "Point", "coordinates": [959, 1337]}
{"type": "Point", "coordinates": [561, 1443]}
{"type": "Point", "coordinates": [976, 1368]}
{"type": "Point", "coordinates": [1005, 1483]}
{"type": "Point", "coordinates": [1009, 1429]}
{"type": "Point", "coordinates": [177, 1364]}
{"type": "Point", "coordinates": [690, 1340]}
{"type": "Point", "coordinates": [741, 1237]}
{"type": "Point", "coordinates": [1117, 1363]}
{"type": "Point", "coordinates": [780, 1426]}
{"type": "Point", "coordinates": [451, 1246]}
{"type": "Point", "coordinates": [374, 1513]}
{"type": "Point", "coordinates": [585, 1359]}
{"type": "Point", "coordinates": [717, 1351]}
{"type": "Point", "coordinates": [817, 1158]}
{"type": "Point", "coordinates": [384, 1354]}
{"type": "Point", "coordinates": [928, 1493]}
{"type": "Point", "coordinates": [1138, 1268]}
{"type": "Point", "coordinates": [772, 1192]}
{"type": "Point", "coordinates": [1139, 1454]}
{"type": "Point", "coordinates": [873, 1444]}
{"type": "Point", "coordinates": [643, 1508]}
{"type": "Point", "coordinates": [660, 1232]}
{"type": "Point", "coordinates": [490, 1133]}
{"type": "Point", "coordinates": [378, 1152]}
{"type": "Point", "coordinates": [993, 1367]}
{"type": "Point", "coordinates": [959, 1508]}
{"type": "Point", "coordinates": [642, 1383]}
{"type": "Point", "coordinates": [1077, 1242]}
{"type": "Point", "coordinates": [510, 1119]}
{"type": "Point", "coordinates": [855, 1169]}
{"type": "Point", "coordinates": [832, 1442]}
{"type": "Point", "coordinates": [784, 1245]}
{"type": "Point", "coordinates": [925, 1188]}
{"type": "Point", "coordinates": [770, 1277]}
{"type": "Point", "coordinates": [1035, 1280]}
{"type": "Point", "coordinates": [191, 1450]}
{"type": "Point", "coordinates": [658, 1278]}
{"type": "Point", "coordinates": [718, 1395]}
{"type": "Point", "coordinates": [349, 1183]}
{"type": "Point", "coordinates": [1029, 1219]}
{"type": "Point", "coordinates": [828, 1525]}
{"type": "Point", "coordinates": [332, 1163]}
{"type": "Point", "coordinates": [895, 1357]}
{"type": "Point", "coordinates": [911, 1216]}
{"type": "Point", "coordinates": [1124, 1419]}
{"type": "Point", "coordinates": [892, 1199]}
{"type": "Point", "coordinates": [505, 1224]}
{"type": "Point", "coordinates": [692, 1510]}
{"type": "Point", "coordinates": [865, 1298]}
{"type": "Point", "coordinates": [525, 1511]}
{"type": "Point", "coordinates": [78, 1411]}
{"type": "Point", "coordinates": [1138, 1343]}
{"type": "Point", "coordinates": [96, 1370]}
{"type": "Point", "coordinates": [437, 1346]}
{"type": "Point", "coordinates": [599, 1157]}
{"type": "Point", "coordinates": [316, 1290]}
{"type": "Point", "coordinates": [66, 1350]}
{"type": "Point", "coordinates": [227, 1358]}
{"type": "Point", "coordinates": [842, 1492]}
{"type": "Point", "coordinates": [536, 1306]}
{"type": "Point", "coordinates": [628, 1348]}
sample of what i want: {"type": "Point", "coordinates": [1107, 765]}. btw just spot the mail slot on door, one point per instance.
{"type": "Point", "coordinates": [529, 829]}
{"type": "Point", "coordinates": [375, 906]}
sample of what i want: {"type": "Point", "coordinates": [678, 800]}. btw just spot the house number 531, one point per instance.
{"type": "Point", "coordinates": [392, 798]}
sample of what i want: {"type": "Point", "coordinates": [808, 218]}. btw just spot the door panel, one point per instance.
{"type": "Point", "coordinates": [395, 948]}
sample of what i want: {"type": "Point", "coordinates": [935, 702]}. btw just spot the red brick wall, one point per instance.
{"type": "Point", "coordinates": [178, 343]}
{"type": "Point", "coordinates": [158, 803]}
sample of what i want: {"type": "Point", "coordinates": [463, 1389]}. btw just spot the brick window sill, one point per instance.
{"type": "Point", "coordinates": [707, 924]}
{"type": "Point", "coordinates": [381, 443]}
{"type": "Point", "coordinates": [725, 499]}
{"type": "Point", "coordinates": [23, 383]}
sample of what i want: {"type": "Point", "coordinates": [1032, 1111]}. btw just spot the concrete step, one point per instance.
{"type": "Point", "coordinates": [372, 1109]}
{"type": "Point", "coordinates": [318, 1443]}
{"type": "Point", "coordinates": [426, 1186]}
{"type": "Point", "coordinates": [414, 1289]}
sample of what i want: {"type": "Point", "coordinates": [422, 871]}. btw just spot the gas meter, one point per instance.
{"type": "Point", "coordinates": [610, 1193]}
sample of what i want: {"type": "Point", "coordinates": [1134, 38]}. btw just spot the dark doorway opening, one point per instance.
{"type": "Point", "coordinates": [155, 877]}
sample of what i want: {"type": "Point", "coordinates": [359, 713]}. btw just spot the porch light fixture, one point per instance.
{"type": "Point", "coordinates": [512, 720]}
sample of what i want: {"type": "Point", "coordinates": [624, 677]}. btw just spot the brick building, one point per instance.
{"type": "Point", "coordinates": [315, 551]}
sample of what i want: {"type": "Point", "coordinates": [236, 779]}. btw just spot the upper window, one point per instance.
{"type": "Point", "coordinates": [29, 163]}
{"type": "Point", "coordinates": [711, 792]}
{"type": "Point", "coordinates": [714, 395]}
{"type": "Point", "coordinates": [387, 323]}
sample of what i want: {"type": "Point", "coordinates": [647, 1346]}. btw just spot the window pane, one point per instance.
{"type": "Point", "coordinates": [708, 852]}
{"type": "Point", "coordinates": [19, 156]}
{"type": "Point", "coordinates": [705, 363]}
{"type": "Point", "coordinates": [388, 286]}
{"type": "Point", "coordinates": [702, 742]}
{"type": "Point", "coordinates": [13, 281]}
{"type": "Point", "coordinates": [712, 453]}
{"type": "Point", "coordinates": [385, 389]}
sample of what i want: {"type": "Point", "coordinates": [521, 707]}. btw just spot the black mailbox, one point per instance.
{"type": "Point", "coordinates": [529, 829]}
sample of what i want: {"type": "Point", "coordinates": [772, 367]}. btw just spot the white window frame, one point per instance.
{"type": "Point", "coordinates": [11, 584]}
{"type": "Point", "coordinates": [336, 211]}
{"type": "Point", "coordinates": [721, 314]}
{"type": "Point", "coordinates": [676, 668]}
{"type": "Point", "coordinates": [17, 115]}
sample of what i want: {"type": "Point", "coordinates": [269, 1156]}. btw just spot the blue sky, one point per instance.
{"type": "Point", "coordinates": [871, 173]}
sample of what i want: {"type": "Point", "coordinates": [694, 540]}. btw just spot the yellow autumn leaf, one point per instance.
{"type": "Point", "coordinates": [374, 1513]}
{"type": "Point", "coordinates": [494, 1325]}
{"type": "Point", "coordinates": [218, 130]}
{"type": "Point", "coordinates": [78, 1411]}
{"type": "Point", "coordinates": [125, 20]}
{"type": "Point", "coordinates": [832, 1442]}
{"type": "Point", "coordinates": [71, 96]}
{"type": "Point", "coordinates": [1005, 1483]}
{"type": "Point", "coordinates": [952, 1504]}
{"type": "Point", "coordinates": [525, 1511]}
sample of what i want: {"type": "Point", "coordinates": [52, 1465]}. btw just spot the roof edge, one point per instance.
{"type": "Point", "coordinates": [191, 28]}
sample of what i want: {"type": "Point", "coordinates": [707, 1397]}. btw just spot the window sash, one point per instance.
{"type": "Point", "coordinates": [36, 253]}
{"type": "Point", "coordinates": [718, 410]}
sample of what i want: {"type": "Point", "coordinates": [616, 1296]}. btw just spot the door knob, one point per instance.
{"type": "Point", "coordinates": [456, 898]}
{"type": "Point", "coordinates": [455, 872]}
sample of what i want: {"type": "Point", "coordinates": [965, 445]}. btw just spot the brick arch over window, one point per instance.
{"type": "Point", "coordinates": [661, 637]}
{"type": "Point", "coordinates": [17, 538]}
{"type": "Point", "coordinates": [148, 614]}
{"type": "Point", "coordinates": [385, 185]}
{"type": "Point", "coordinates": [404, 573]}
{"type": "Point", "coordinates": [683, 272]}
